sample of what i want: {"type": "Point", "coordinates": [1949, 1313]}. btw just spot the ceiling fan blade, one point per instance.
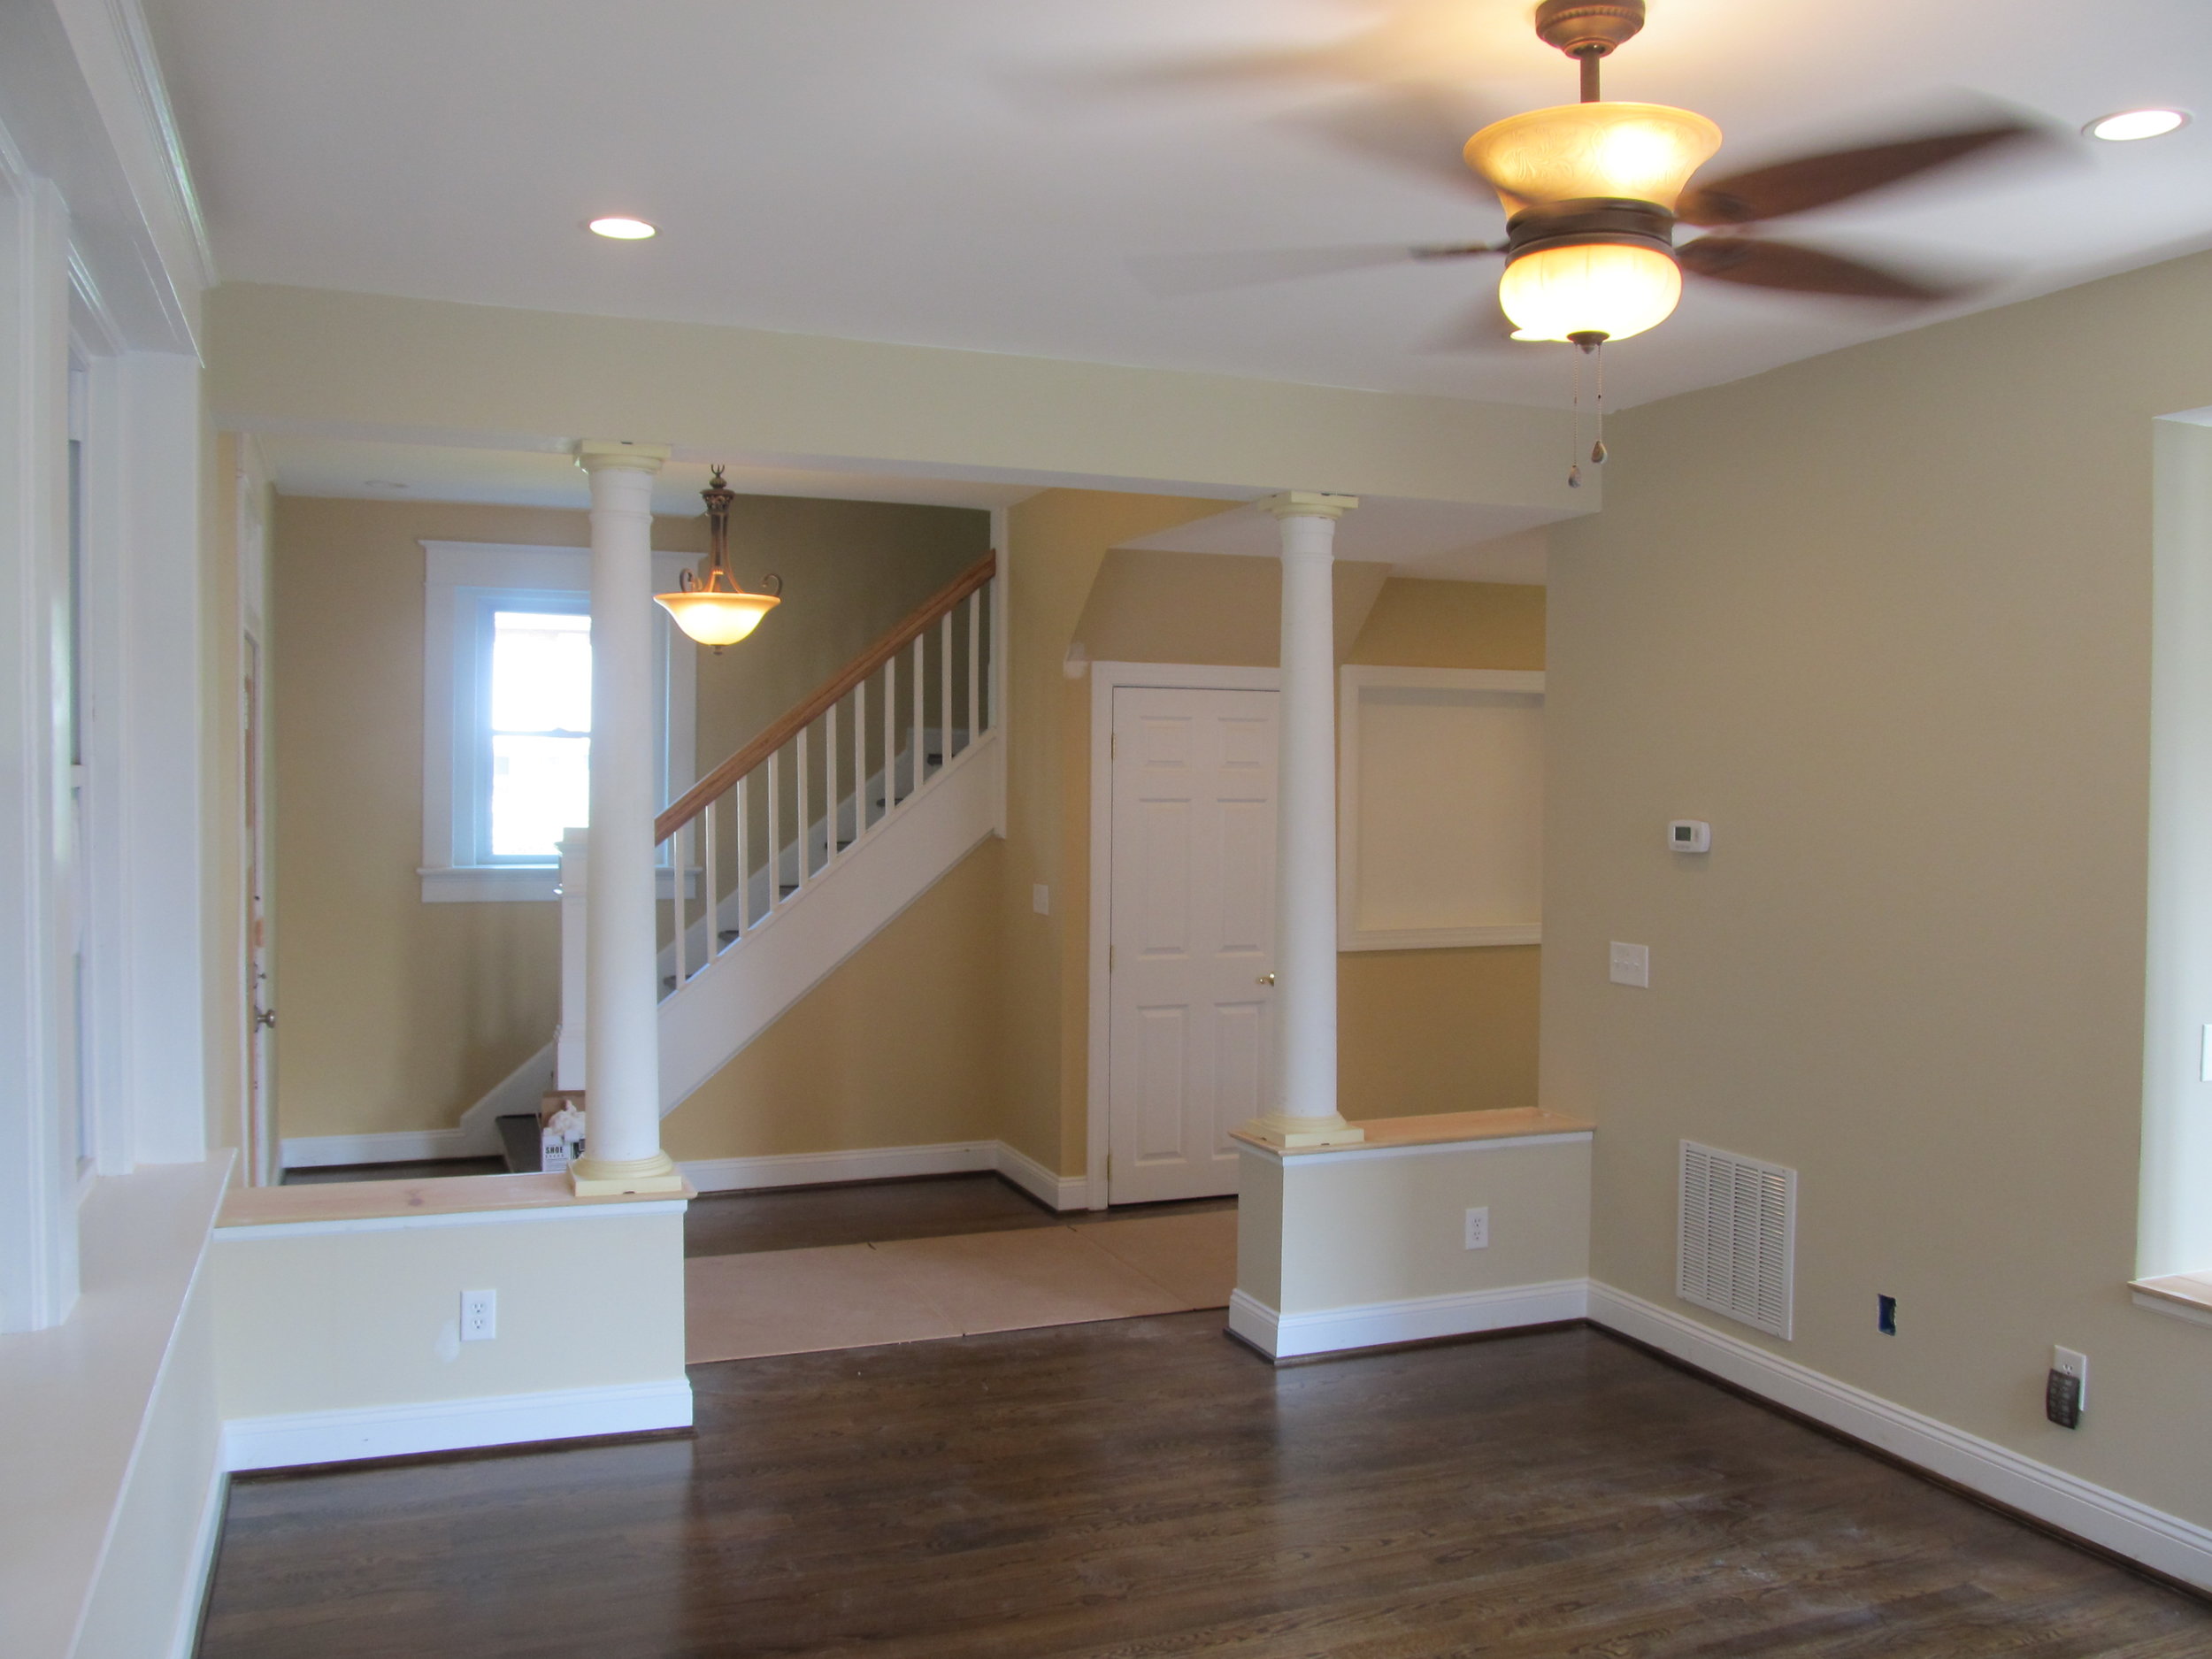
{"type": "Point", "coordinates": [1810, 181]}
{"type": "Point", "coordinates": [1178, 273]}
{"type": "Point", "coordinates": [1416, 130]}
{"type": "Point", "coordinates": [1792, 266]}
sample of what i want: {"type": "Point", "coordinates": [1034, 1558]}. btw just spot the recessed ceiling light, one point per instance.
{"type": "Point", "coordinates": [622, 229]}
{"type": "Point", "coordinates": [2137, 123]}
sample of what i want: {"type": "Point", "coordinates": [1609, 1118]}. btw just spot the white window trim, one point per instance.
{"type": "Point", "coordinates": [453, 573]}
{"type": "Point", "coordinates": [1355, 681]}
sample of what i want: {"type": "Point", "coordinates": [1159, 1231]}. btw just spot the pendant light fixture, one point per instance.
{"type": "Point", "coordinates": [718, 612]}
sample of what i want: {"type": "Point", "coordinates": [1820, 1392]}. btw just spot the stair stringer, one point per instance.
{"type": "Point", "coordinates": [751, 985]}
{"type": "Point", "coordinates": [725, 1005]}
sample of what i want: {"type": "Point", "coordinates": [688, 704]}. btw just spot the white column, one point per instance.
{"type": "Point", "coordinates": [569, 1044]}
{"type": "Point", "coordinates": [1303, 1113]}
{"type": "Point", "coordinates": [622, 1141]}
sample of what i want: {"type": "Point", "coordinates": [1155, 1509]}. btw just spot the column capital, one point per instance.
{"type": "Point", "coordinates": [1306, 504]}
{"type": "Point", "coordinates": [594, 453]}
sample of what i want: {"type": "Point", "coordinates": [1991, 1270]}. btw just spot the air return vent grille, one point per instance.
{"type": "Point", "coordinates": [1739, 1237]}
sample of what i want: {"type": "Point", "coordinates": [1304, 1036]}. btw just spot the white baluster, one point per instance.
{"type": "Point", "coordinates": [975, 664]}
{"type": "Point", "coordinates": [714, 918]}
{"type": "Point", "coordinates": [806, 806]}
{"type": "Point", "coordinates": [860, 761]}
{"type": "Point", "coordinates": [677, 862]}
{"type": "Point", "coordinates": [890, 734]}
{"type": "Point", "coordinates": [921, 683]}
{"type": "Point", "coordinates": [829, 786]}
{"type": "Point", "coordinates": [944, 688]}
{"type": "Point", "coordinates": [744, 863]}
{"type": "Point", "coordinates": [775, 831]}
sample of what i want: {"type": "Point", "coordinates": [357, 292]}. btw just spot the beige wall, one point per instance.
{"type": "Point", "coordinates": [1442, 1031]}
{"type": "Point", "coordinates": [1884, 618]}
{"type": "Point", "coordinates": [399, 1015]}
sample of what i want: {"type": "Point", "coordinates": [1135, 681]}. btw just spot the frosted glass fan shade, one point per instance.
{"type": "Point", "coordinates": [714, 618]}
{"type": "Point", "coordinates": [1572, 152]}
{"type": "Point", "coordinates": [1612, 288]}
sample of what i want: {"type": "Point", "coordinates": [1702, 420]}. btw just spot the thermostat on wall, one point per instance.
{"type": "Point", "coordinates": [1690, 835]}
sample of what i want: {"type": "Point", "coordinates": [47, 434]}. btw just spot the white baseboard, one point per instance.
{"type": "Point", "coordinates": [2163, 1542]}
{"type": "Point", "coordinates": [395, 1146]}
{"type": "Point", "coordinates": [865, 1163]}
{"type": "Point", "coordinates": [1420, 1318]}
{"type": "Point", "coordinates": [199, 1573]}
{"type": "Point", "coordinates": [1060, 1192]}
{"type": "Point", "coordinates": [448, 1425]}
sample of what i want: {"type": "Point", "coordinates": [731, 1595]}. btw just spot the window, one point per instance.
{"type": "Point", "coordinates": [507, 714]}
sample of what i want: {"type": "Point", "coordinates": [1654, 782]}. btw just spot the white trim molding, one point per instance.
{"type": "Point", "coordinates": [1355, 681]}
{"type": "Point", "coordinates": [2163, 1542]}
{"type": "Point", "coordinates": [390, 1146]}
{"type": "Point", "coordinates": [1108, 677]}
{"type": "Point", "coordinates": [1416, 1319]}
{"type": "Point", "coordinates": [889, 1163]}
{"type": "Point", "coordinates": [299, 1438]}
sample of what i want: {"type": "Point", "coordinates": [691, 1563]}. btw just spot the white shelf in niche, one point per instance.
{"type": "Point", "coordinates": [1439, 808]}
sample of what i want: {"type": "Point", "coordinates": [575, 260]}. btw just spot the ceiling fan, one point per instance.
{"type": "Point", "coordinates": [1594, 191]}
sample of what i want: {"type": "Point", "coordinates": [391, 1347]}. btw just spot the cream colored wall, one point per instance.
{"type": "Point", "coordinates": [1884, 618]}
{"type": "Point", "coordinates": [398, 1014]}
{"type": "Point", "coordinates": [309, 1321]}
{"type": "Point", "coordinates": [1439, 1030]}
{"type": "Point", "coordinates": [395, 1013]}
{"type": "Point", "coordinates": [851, 571]}
{"type": "Point", "coordinates": [899, 1045]}
{"type": "Point", "coordinates": [1056, 541]}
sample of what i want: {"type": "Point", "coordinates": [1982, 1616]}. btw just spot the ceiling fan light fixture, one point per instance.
{"type": "Point", "coordinates": [618, 228]}
{"type": "Point", "coordinates": [2127, 125]}
{"type": "Point", "coordinates": [1616, 289]}
{"type": "Point", "coordinates": [1641, 152]}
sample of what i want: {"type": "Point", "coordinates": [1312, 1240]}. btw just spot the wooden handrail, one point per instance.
{"type": "Point", "coordinates": [694, 800]}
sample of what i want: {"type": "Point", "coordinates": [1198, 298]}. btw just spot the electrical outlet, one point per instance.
{"type": "Point", "coordinates": [1478, 1228]}
{"type": "Point", "coordinates": [1885, 1314]}
{"type": "Point", "coordinates": [2070, 1364]}
{"type": "Point", "coordinates": [1631, 964]}
{"type": "Point", "coordinates": [479, 1315]}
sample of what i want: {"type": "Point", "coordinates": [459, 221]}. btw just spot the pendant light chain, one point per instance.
{"type": "Point", "coordinates": [1574, 438]}
{"type": "Point", "coordinates": [1597, 449]}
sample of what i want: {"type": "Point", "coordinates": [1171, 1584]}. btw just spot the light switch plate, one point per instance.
{"type": "Point", "coordinates": [1631, 964]}
{"type": "Point", "coordinates": [1041, 899]}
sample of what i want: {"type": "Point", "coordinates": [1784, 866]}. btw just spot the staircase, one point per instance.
{"type": "Point", "coordinates": [796, 850]}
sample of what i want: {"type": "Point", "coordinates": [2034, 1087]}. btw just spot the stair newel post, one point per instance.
{"type": "Point", "coordinates": [1303, 1110]}
{"type": "Point", "coordinates": [622, 978]}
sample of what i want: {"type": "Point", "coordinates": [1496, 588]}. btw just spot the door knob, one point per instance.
{"type": "Point", "coordinates": [1266, 978]}
{"type": "Point", "coordinates": [264, 1019]}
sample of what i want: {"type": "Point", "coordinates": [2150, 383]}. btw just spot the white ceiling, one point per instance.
{"type": "Point", "coordinates": [961, 174]}
{"type": "Point", "coordinates": [1440, 540]}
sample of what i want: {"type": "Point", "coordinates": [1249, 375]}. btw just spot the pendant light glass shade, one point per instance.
{"type": "Point", "coordinates": [717, 615]}
{"type": "Point", "coordinates": [1572, 152]}
{"type": "Point", "coordinates": [1611, 289]}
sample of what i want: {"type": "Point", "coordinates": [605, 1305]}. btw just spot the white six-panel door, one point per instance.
{"type": "Point", "coordinates": [1190, 1047]}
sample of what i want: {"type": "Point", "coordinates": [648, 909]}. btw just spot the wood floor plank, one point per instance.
{"type": "Point", "coordinates": [1145, 1487]}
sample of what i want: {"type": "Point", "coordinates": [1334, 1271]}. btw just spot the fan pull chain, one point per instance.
{"type": "Point", "coordinates": [1574, 439]}
{"type": "Point", "coordinates": [1597, 449]}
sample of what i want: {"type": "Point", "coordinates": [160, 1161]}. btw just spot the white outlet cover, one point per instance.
{"type": "Point", "coordinates": [1041, 899]}
{"type": "Point", "coordinates": [1631, 964]}
{"type": "Point", "coordinates": [480, 1315]}
{"type": "Point", "coordinates": [1478, 1228]}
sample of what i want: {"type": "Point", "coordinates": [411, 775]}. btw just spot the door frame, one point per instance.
{"type": "Point", "coordinates": [1107, 679]}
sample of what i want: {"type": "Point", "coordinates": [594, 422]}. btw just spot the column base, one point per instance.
{"type": "Point", "coordinates": [1303, 1132]}
{"type": "Point", "coordinates": [604, 1178]}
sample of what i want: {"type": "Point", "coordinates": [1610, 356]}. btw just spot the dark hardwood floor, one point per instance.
{"type": "Point", "coordinates": [875, 1212]}
{"type": "Point", "coordinates": [1145, 1488]}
